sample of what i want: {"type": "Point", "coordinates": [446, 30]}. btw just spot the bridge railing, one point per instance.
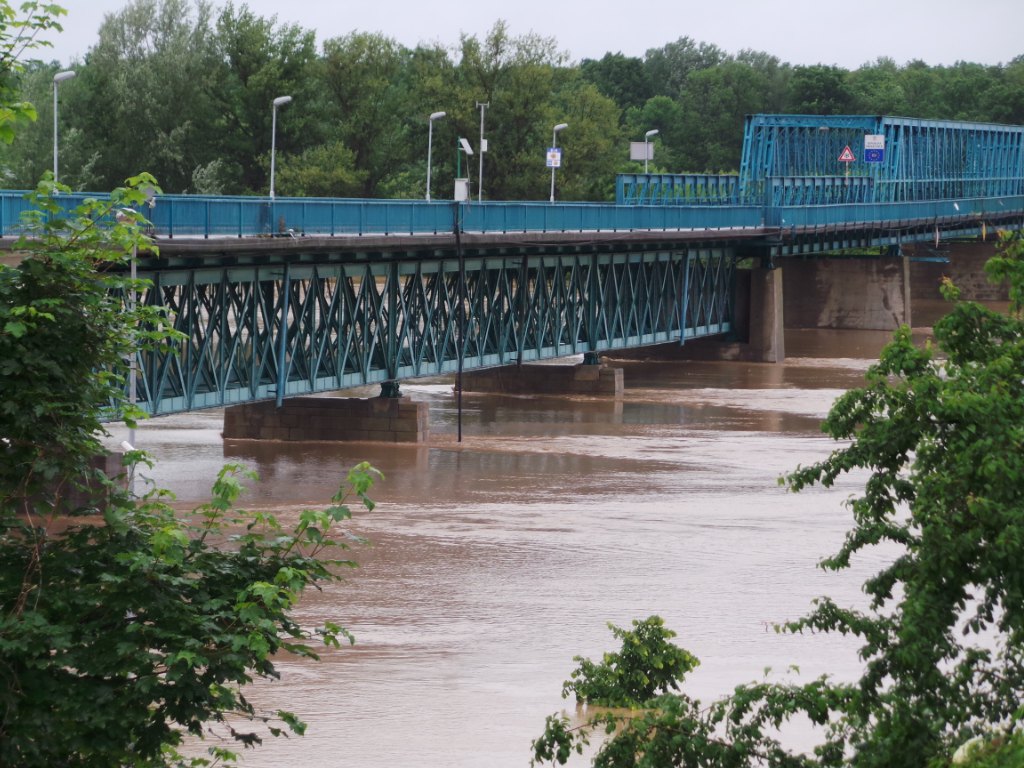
{"type": "Point", "coordinates": [678, 189]}
{"type": "Point", "coordinates": [799, 216]}
{"type": "Point", "coordinates": [597, 217]}
{"type": "Point", "coordinates": [797, 202]}
{"type": "Point", "coordinates": [207, 216]}
{"type": "Point", "coordinates": [820, 190]}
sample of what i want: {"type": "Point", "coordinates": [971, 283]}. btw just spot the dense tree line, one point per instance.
{"type": "Point", "coordinates": [183, 89]}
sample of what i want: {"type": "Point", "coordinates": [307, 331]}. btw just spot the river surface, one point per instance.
{"type": "Point", "coordinates": [494, 561]}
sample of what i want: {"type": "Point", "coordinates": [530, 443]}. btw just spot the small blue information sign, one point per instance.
{"type": "Point", "coordinates": [874, 148]}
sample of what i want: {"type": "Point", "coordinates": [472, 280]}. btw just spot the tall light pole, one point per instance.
{"type": "Point", "coordinates": [554, 145]}
{"type": "Point", "coordinates": [280, 101]}
{"type": "Point", "coordinates": [647, 152]}
{"type": "Point", "coordinates": [483, 148]}
{"type": "Point", "coordinates": [59, 78]}
{"type": "Point", "coordinates": [430, 144]}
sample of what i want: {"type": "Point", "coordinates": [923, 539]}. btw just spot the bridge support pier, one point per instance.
{"type": "Point", "coordinates": [586, 378]}
{"type": "Point", "coordinates": [767, 337]}
{"type": "Point", "coordinates": [330, 419]}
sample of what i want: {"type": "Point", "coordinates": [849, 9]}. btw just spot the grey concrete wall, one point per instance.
{"type": "Point", "coordinates": [854, 293]}
{"type": "Point", "coordinates": [882, 293]}
{"type": "Point", "coordinates": [392, 420]}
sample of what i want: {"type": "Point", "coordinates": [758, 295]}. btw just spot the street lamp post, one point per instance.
{"type": "Point", "coordinates": [58, 78]}
{"type": "Point", "coordinates": [483, 148]}
{"type": "Point", "coordinates": [430, 143]}
{"type": "Point", "coordinates": [280, 101]}
{"type": "Point", "coordinates": [647, 152]}
{"type": "Point", "coordinates": [554, 145]}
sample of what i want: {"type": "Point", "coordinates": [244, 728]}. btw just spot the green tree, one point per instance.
{"type": "Point", "coordinates": [519, 76]}
{"type": "Point", "coordinates": [669, 67]}
{"type": "Point", "coordinates": [667, 116]}
{"type": "Point", "coordinates": [29, 154]}
{"type": "Point", "coordinates": [592, 143]}
{"type": "Point", "coordinates": [876, 89]}
{"type": "Point", "coordinates": [327, 170]}
{"type": "Point", "coordinates": [622, 79]}
{"type": "Point", "coordinates": [123, 624]}
{"type": "Point", "coordinates": [819, 90]}
{"type": "Point", "coordinates": [715, 103]}
{"type": "Point", "coordinates": [363, 73]}
{"type": "Point", "coordinates": [20, 34]}
{"type": "Point", "coordinates": [258, 61]}
{"type": "Point", "coordinates": [141, 97]}
{"type": "Point", "coordinates": [921, 86]}
{"type": "Point", "coordinates": [1004, 101]}
{"type": "Point", "coordinates": [940, 432]}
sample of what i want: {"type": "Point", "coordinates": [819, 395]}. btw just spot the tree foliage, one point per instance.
{"type": "Point", "coordinates": [940, 430]}
{"type": "Point", "coordinates": [20, 34]}
{"type": "Point", "coordinates": [124, 623]}
{"type": "Point", "coordinates": [183, 88]}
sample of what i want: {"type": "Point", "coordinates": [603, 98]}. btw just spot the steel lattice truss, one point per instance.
{"type": "Point", "coordinates": [263, 332]}
{"type": "Point", "coordinates": [794, 160]}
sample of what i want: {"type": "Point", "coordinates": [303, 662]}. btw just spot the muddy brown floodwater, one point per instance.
{"type": "Point", "coordinates": [493, 562]}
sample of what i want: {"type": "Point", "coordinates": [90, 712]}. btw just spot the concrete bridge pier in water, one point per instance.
{"type": "Point", "coordinates": [394, 418]}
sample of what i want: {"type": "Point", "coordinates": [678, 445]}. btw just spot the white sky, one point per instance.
{"type": "Point", "coordinates": [847, 34]}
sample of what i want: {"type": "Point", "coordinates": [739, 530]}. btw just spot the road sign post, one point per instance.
{"type": "Point", "coordinates": [847, 157]}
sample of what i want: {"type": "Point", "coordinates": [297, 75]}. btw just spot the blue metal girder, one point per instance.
{"type": "Point", "coordinates": [277, 331]}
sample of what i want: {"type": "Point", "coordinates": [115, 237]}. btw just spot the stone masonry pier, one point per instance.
{"type": "Point", "coordinates": [582, 379]}
{"type": "Point", "coordinates": [379, 419]}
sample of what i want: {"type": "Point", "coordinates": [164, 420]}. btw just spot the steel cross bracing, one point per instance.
{"type": "Point", "coordinates": [274, 331]}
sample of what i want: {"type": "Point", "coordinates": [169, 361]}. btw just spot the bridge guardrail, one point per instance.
{"type": "Point", "coordinates": [198, 216]}
{"type": "Point", "coordinates": [207, 216]}
{"type": "Point", "coordinates": [788, 216]}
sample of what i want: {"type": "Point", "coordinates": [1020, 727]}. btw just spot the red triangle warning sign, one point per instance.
{"type": "Point", "coordinates": [847, 155]}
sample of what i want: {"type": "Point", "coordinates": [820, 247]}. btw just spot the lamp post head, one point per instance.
{"type": "Point", "coordinates": [437, 115]}
{"type": "Point", "coordinates": [653, 132]}
{"type": "Point", "coordinates": [560, 127]}
{"type": "Point", "coordinates": [60, 77]}
{"type": "Point", "coordinates": [282, 100]}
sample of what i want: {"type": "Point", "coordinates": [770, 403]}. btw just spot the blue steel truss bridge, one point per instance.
{"type": "Point", "coordinates": [284, 297]}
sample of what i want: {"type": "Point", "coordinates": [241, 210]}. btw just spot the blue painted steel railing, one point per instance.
{"type": "Point", "coordinates": [204, 216]}
{"type": "Point", "coordinates": [800, 216]}
{"type": "Point", "coordinates": [678, 189]}
{"type": "Point", "coordinates": [795, 202]}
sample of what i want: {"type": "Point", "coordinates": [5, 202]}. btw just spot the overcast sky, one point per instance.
{"type": "Point", "coordinates": [846, 34]}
